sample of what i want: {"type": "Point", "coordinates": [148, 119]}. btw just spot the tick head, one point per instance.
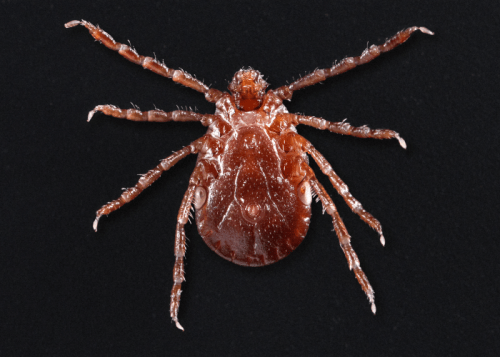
{"type": "Point", "coordinates": [248, 89]}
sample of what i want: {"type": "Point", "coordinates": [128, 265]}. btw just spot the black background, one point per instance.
{"type": "Point", "coordinates": [67, 291]}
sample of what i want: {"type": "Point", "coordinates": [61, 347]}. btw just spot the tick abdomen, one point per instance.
{"type": "Point", "coordinates": [253, 216]}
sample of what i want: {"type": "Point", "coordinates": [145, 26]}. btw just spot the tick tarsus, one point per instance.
{"type": "Point", "coordinates": [96, 221]}
{"type": "Point", "coordinates": [178, 325]}
{"type": "Point", "coordinates": [402, 142]}
{"type": "Point", "coordinates": [255, 116]}
{"type": "Point", "coordinates": [90, 115]}
{"type": "Point", "coordinates": [426, 30]}
{"type": "Point", "coordinates": [72, 23]}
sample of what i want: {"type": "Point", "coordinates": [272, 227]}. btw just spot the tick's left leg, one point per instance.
{"type": "Point", "coordinates": [345, 240]}
{"type": "Point", "coordinates": [180, 245]}
{"type": "Point", "coordinates": [147, 179]}
{"type": "Point", "coordinates": [180, 251]}
{"type": "Point", "coordinates": [158, 116]}
{"type": "Point", "coordinates": [152, 64]}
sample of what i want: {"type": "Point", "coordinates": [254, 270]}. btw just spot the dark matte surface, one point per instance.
{"type": "Point", "coordinates": [67, 291]}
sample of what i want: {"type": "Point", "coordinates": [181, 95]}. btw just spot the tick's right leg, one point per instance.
{"type": "Point", "coordinates": [151, 115]}
{"type": "Point", "coordinates": [345, 128]}
{"type": "Point", "coordinates": [147, 179]}
{"type": "Point", "coordinates": [293, 139]}
{"type": "Point", "coordinates": [369, 54]}
{"type": "Point", "coordinates": [345, 240]}
{"type": "Point", "coordinates": [343, 190]}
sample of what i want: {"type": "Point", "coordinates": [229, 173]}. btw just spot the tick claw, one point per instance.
{"type": "Point", "coordinates": [400, 139]}
{"type": "Point", "coordinates": [91, 114]}
{"type": "Point", "coordinates": [426, 30]}
{"type": "Point", "coordinates": [95, 223]}
{"type": "Point", "coordinates": [179, 325]}
{"type": "Point", "coordinates": [382, 240]}
{"type": "Point", "coordinates": [374, 308]}
{"type": "Point", "coordinates": [72, 24]}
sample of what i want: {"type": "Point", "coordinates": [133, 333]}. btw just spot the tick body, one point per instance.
{"type": "Point", "coordinates": [252, 186]}
{"type": "Point", "coordinates": [253, 214]}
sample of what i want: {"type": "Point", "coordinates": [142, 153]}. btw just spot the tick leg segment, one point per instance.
{"type": "Point", "coordinates": [345, 240]}
{"type": "Point", "coordinates": [369, 54]}
{"type": "Point", "coordinates": [347, 129]}
{"type": "Point", "coordinates": [151, 115]}
{"type": "Point", "coordinates": [147, 179]}
{"type": "Point", "coordinates": [180, 251]}
{"type": "Point", "coordinates": [343, 190]}
{"type": "Point", "coordinates": [147, 62]}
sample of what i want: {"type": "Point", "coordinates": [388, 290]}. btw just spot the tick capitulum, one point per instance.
{"type": "Point", "coordinates": [252, 186]}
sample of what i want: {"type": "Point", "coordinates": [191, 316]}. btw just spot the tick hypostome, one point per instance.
{"type": "Point", "coordinates": [252, 186]}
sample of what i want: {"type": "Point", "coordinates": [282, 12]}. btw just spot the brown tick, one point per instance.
{"type": "Point", "coordinates": [252, 187]}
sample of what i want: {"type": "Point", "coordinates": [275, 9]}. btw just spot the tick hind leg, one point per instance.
{"type": "Point", "coordinates": [180, 251]}
{"type": "Point", "coordinates": [345, 240]}
{"type": "Point", "coordinates": [180, 246]}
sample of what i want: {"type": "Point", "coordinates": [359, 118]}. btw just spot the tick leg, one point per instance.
{"type": "Point", "coordinates": [345, 241]}
{"type": "Point", "coordinates": [343, 190]}
{"type": "Point", "coordinates": [180, 251]}
{"type": "Point", "coordinates": [147, 62]}
{"type": "Point", "coordinates": [151, 115]}
{"type": "Point", "coordinates": [147, 179]}
{"type": "Point", "coordinates": [369, 54]}
{"type": "Point", "coordinates": [347, 129]}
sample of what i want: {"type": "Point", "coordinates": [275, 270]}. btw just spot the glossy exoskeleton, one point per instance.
{"type": "Point", "coordinates": [252, 187]}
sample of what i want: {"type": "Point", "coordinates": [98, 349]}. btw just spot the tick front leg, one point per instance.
{"type": "Point", "coordinates": [319, 75]}
{"type": "Point", "coordinates": [147, 179]}
{"type": "Point", "coordinates": [343, 190]}
{"type": "Point", "coordinates": [345, 128]}
{"type": "Point", "coordinates": [345, 241]}
{"type": "Point", "coordinates": [156, 115]}
{"type": "Point", "coordinates": [147, 62]}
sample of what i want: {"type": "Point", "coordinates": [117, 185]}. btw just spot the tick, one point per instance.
{"type": "Point", "coordinates": [252, 187]}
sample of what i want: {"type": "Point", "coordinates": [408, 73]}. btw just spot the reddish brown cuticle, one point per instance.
{"type": "Point", "coordinates": [252, 186]}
